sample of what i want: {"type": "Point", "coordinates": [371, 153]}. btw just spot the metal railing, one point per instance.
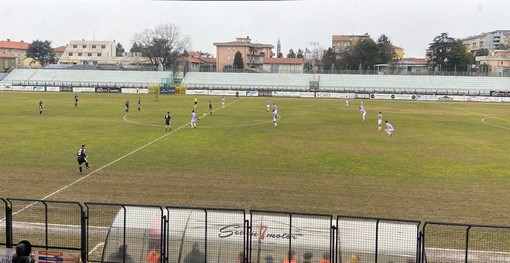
{"type": "Point", "coordinates": [102, 232]}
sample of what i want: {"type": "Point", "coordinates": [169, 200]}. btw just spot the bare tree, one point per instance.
{"type": "Point", "coordinates": [163, 45]}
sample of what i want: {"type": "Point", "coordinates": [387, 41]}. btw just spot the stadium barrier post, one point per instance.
{"type": "Point", "coordinates": [83, 238]}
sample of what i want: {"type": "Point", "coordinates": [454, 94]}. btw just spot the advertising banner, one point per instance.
{"type": "Point", "coordinates": [135, 91]}
{"type": "Point", "coordinates": [6, 254]}
{"type": "Point", "coordinates": [70, 89]}
{"type": "Point", "coordinates": [286, 94]}
{"type": "Point", "coordinates": [5, 85]}
{"type": "Point", "coordinates": [307, 94]}
{"type": "Point", "coordinates": [361, 96]}
{"type": "Point", "coordinates": [427, 97]}
{"type": "Point", "coordinates": [21, 88]}
{"type": "Point", "coordinates": [377, 96]}
{"type": "Point", "coordinates": [333, 95]}
{"type": "Point", "coordinates": [196, 92]}
{"type": "Point", "coordinates": [41, 256]}
{"type": "Point", "coordinates": [250, 93]}
{"type": "Point", "coordinates": [53, 89]}
{"type": "Point", "coordinates": [108, 90]}
{"type": "Point", "coordinates": [83, 89]}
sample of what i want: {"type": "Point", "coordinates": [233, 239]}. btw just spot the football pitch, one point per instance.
{"type": "Point", "coordinates": [446, 161]}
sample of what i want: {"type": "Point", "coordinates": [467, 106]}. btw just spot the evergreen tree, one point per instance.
{"type": "Point", "coordinates": [119, 50]}
{"type": "Point", "coordinates": [136, 48]}
{"type": "Point", "coordinates": [386, 50]}
{"type": "Point", "coordinates": [291, 54]}
{"type": "Point", "coordinates": [238, 61]}
{"type": "Point", "coordinates": [449, 54]}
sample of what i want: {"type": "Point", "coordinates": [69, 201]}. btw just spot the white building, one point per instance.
{"type": "Point", "coordinates": [94, 52]}
{"type": "Point", "coordinates": [84, 52]}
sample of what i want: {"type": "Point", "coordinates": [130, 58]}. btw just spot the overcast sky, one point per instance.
{"type": "Point", "coordinates": [410, 24]}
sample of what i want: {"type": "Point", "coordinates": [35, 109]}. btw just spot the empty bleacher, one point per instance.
{"type": "Point", "coordinates": [85, 78]}
{"type": "Point", "coordinates": [348, 83]}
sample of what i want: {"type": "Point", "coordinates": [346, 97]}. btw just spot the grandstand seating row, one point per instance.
{"type": "Point", "coordinates": [85, 77]}
{"type": "Point", "coordinates": [344, 82]}
{"type": "Point", "coordinates": [266, 81]}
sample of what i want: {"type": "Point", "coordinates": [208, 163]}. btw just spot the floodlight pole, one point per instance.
{"type": "Point", "coordinates": [314, 44]}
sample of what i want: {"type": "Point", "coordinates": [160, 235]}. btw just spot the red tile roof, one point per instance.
{"type": "Point", "coordinates": [284, 60]}
{"type": "Point", "coordinates": [194, 54]}
{"type": "Point", "coordinates": [200, 60]}
{"type": "Point", "coordinates": [13, 45]}
{"type": "Point", "coordinates": [60, 49]}
{"type": "Point", "coordinates": [417, 60]}
{"type": "Point", "coordinates": [2, 55]}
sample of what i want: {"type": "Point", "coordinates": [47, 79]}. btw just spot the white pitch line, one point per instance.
{"type": "Point", "coordinates": [495, 125]}
{"type": "Point", "coordinates": [112, 162]}
{"type": "Point", "coordinates": [483, 120]}
{"type": "Point", "coordinates": [96, 247]}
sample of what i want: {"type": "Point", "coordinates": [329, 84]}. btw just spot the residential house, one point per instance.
{"type": "Point", "coordinates": [283, 65]}
{"type": "Point", "coordinates": [15, 48]}
{"type": "Point", "coordinates": [498, 63]}
{"type": "Point", "coordinates": [7, 62]}
{"type": "Point", "coordinates": [253, 54]}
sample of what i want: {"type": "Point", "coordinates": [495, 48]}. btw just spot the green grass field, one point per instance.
{"type": "Point", "coordinates": [446, 161]}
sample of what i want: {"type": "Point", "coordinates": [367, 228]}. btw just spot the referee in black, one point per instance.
{"type": "Point", "coordinates": [82, 158]}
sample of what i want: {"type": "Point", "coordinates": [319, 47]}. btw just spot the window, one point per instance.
{"type": "Point", "coordinates": [103, 46]}
{"type": "Point", "coordinates": [89, 54]}
{"type": "Point", "coordinates": [228, 58]}
{"type": "Point", "coordinates": [93, 46]}
{"type": "Point", "coordinates": [79, 54]}
{"type": "Point", "coordinates": [84, 46]}
{"type": "Point", "coordinates": [75, 46]}
{"type": "Point", "coordinates": [228, 48]}
{"type": "Point", "coordinates": [70, 54]}
{"type": "Point", "coordinates": [98, 54]}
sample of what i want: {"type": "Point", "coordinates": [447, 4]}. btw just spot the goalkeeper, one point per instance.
{"type": "Point", "coordinates": [82, 158]}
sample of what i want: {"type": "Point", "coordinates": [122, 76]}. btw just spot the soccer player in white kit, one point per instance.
{"type": "Point", "coordinates": [268, 104]}
{"type": "Point", "coordinates": [379, 121]}
{"type": "Point", "coordinates": [194, 119]}
{"type": "Point", "coordinates": [389, 128]}
{"type": "Point", "coordinates": [363, 113]}
{"type": "Point", "coordinates": [275, 109]}
{"type": "Point", "coordinates": [275, 117]}
{"type": "Point", "coordinates": [222, 102]}
{"type": "Point", "coordinates": [347, 100]}
{"type": "Point", "coordinates": [361, 105]}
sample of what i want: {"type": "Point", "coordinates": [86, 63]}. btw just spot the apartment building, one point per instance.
{"type": "Point", "coordinates": [253, 54]}
{"type": "Point", "coordinates": [340, 43]}
{"type": "Point", "coordinates": [16, 49]}
{"type": "Point", "coordinates": [85, 52]}
{"type": "Point", "coordinates": [491, 40]}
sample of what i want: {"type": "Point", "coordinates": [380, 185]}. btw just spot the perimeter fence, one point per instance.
{"type": "Point", "coordinates": [101, 232]}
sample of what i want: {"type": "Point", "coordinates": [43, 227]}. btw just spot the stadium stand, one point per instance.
{"type": "Point", "coordinates": [85, 78]}
{"type": "Point", "coordinates": [349, 83]}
